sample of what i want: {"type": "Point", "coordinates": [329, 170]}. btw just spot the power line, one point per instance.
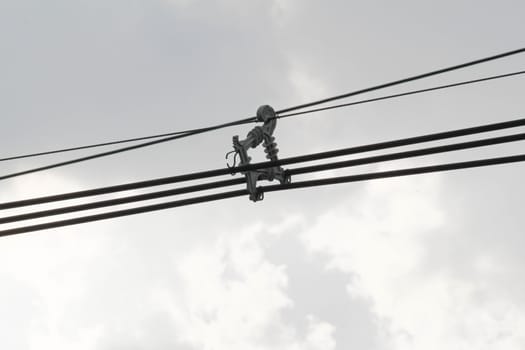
{"type": "Point", "coordinates": [122, 200]}
{"type": "Point", "coordinates": [408, 93]}
{"type": "Point", "coordinates": [262, 165]}
{"type": "Point", "coordinates": [129, 148]}
{"type": "Point", "coordinates": [103, 144]}
{"type": "Point", "coordinates": [396, 173]}
{"type": "Point", "coordinates": [124, 212]}
{"type": "Point", "coordinates": [402, 81]}
{"type": "Point", "coordinates": [142, 138]}
{"type": "Point", "coordinates": [296, 171]}
{"type": "Point", "coordinates": [407, 154]}
{"type": "Point", "coordinates": [271, 188]}
{"type": "Point", "coordinates": [252, 119]}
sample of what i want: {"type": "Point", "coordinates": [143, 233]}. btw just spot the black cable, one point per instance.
{"type": "Point", "coordinates": [129, 148]}
{"type": "Point", "coordinates": [406, 154]}
{"type": "Point", "coordinates": [103, 144]}
{"type": "Point", "coordinates": [249, 120]}
{"type": "Point", "coordinates": [402, 81]}
{"type": "Point", "coordinates": [271, 188]}
{"type": "Point", "coordinates": [296, 171]}
{"type": "Point", "coordinates": [284, 161]}
{"type": "Point", "coordinates": [408, 93]}
{"type": "Point", "coordinates": [395, 173]}
{"type": "Point", "coordinates": [122, 200]}
{"type": "Point", "coordinates": [142, 138]}
{"type": "Point", "coordinates": [124, 212]}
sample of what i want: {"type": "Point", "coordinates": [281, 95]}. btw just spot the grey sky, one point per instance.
{"type": "Point", "coordinates": [429, 262]}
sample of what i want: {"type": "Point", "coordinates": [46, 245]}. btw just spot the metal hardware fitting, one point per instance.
{"type": "Point", "coordinates": [260, 134]}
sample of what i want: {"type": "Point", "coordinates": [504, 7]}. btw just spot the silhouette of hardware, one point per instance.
{"type": "Point", "coordinates": [260, 134]}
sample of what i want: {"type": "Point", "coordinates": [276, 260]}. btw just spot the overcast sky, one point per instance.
{"type": "Point", "coordinates": [425, 262]}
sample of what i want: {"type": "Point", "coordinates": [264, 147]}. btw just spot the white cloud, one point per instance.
{"type": "Point", "coordinates": [381, 239]}
{"type": "Point", "coordinates": [233, 298]}
{"type": "Point", "coordinates": [86, 288]}
{"type": "Point", "coordinates": [320, 336]}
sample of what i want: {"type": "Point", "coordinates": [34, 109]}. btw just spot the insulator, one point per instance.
{"type": "Point", "coordinates": [270, 147]}
{"type": "Point", "coordinates": [260, 134]}
{"type": "Point", "coordinates": [257, 134]}
{"type": "Point", "coordinates": [265, 113]}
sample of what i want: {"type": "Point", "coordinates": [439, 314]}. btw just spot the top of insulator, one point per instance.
{"type": "Point", "coordinates": [265, 113]}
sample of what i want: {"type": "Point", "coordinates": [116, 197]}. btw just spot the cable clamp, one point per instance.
{"type": "Point", "coordinates": [260, 134]}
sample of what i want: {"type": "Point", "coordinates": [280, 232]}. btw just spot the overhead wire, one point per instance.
{"type": "Point", "coordinates": [96, 145]}
{"type": "Point", "coordinates": [122, 200]}
{"type": "Point", "coordinates": [279, 112]}
{"type": "Point", "coordinates": [291, 172]}
{"type": "Point", "coordinates": [403, 81]}
{"type": "Point", "coordinates": [264, 189]}
{"type": "Point", "coordinates": [284, 161]}
{"type": "Point", "coordinates": [129, 148]}
{"type": "Point", "coordinates": [407, 154]}
{"type": "Point", "coordinates": [396, 173]}
{"type": "Point", "coordinates": [402, 94]}
{"type": "Point", "coordinates": [142, 138]}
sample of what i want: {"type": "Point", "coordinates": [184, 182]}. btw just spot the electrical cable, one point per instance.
{"type": "Point", "coordinates": [103, 144]}
{"type": "Point", "coordinates": [262, 165]}
{"type": "Point", "coordinates": [408, 93]}
{"type": "Point", "coordinates": [296, 171]}
{"type": "Point", "coordinates": [402, 81]}
{"type": "Point", "coordinates": [129, 148]}
{"type": "Point", "coordinates": [406, 154]}
{"type": "Point", "coordinates": [142, 138]}
{"type": "Point", "coordinates": [396, 173]}
{"type": "Point", "coordinates": [282, 111]}
{"type": "Point", "coordinates": [263, 189]}
{"type": "Point", "coordinates": [122, 200]}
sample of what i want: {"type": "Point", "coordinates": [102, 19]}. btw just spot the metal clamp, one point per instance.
{"type": "Point", "coordinates": [260, 134]}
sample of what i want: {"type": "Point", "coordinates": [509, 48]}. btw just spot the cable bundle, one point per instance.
{"type": "Point", "coordinates": [271, 188]}
{"type": "Point", "coordinates": [264, 165]}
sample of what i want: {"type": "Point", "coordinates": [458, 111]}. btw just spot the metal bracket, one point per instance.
{"type": "Point", "coordinates": [260, 134]}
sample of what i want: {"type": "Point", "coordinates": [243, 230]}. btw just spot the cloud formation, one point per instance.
{"type": "Point", "coordinates": [382, 239]}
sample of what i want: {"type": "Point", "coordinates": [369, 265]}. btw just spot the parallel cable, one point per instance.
{"type": "Point", "coordinates": [124, 212]}
{"type": "Point", "coordinates": [263, 189]}
{"type": "Point", "coordinates": [142, 138]}
{"type": "Point", "coordinates": [402, 81]}
{"type": "Point", "coordinates": [129, 148]}
{"type": "Point", "coordinates": [122, 200]}
{"type": "Point", "coordinates": [407, 93]}
{"type": "Point", "coordinates": [96, 145]}
{"type": "Point", "coordinates": [279, 112]}
{"type": "Point", "coordinates": [239, 181]}
{"type": "Point", "coordinates": [406, 154]}
{"type": "Point", "coordinates": [262, 165]}
{"type": "Point", "coordinates": [396, 173]}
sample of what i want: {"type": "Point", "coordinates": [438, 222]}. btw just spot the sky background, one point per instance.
{"type": "Point", "coordinates": [424, 262]}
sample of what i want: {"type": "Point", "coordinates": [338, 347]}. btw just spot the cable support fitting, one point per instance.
{"type": "Point", "coordinates": [260, 134]}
